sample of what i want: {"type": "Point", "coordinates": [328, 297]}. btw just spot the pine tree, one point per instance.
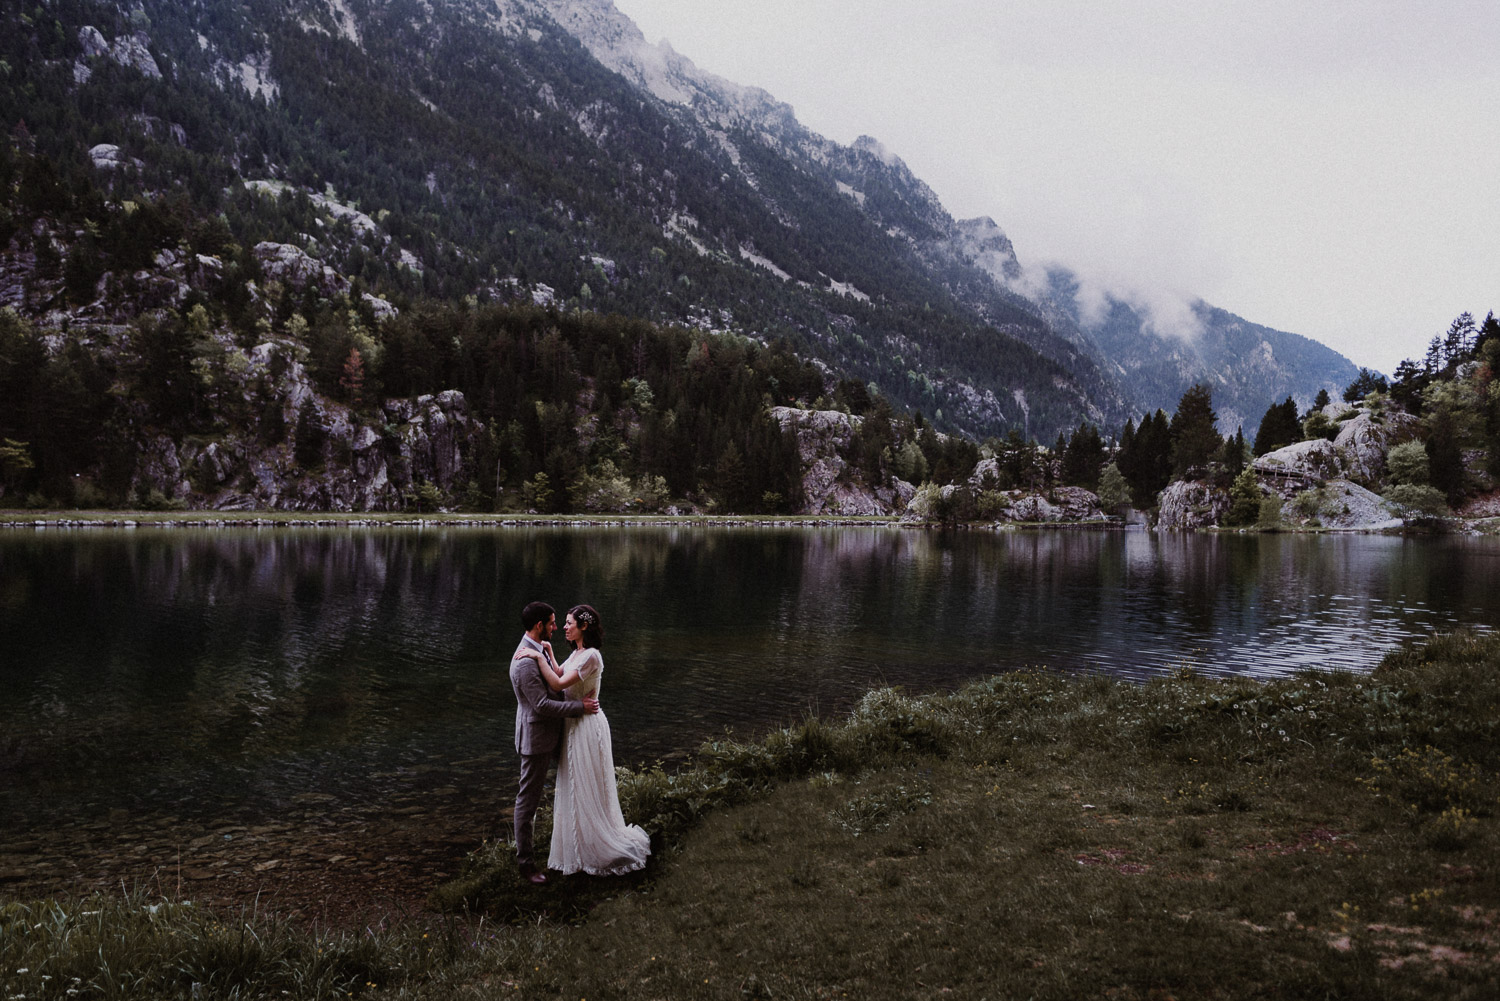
{"type": "Point", "coordinates": [1279, 427]}
{"type": "Point", "coordinates": [309, 438]}
{"type": "Point", "coordinates": [1083, 458]}
{"type": "Point", "coordinates": [1114, 492]}
{"type": "Point", "coordinates": [1245, 496]}
{"type": "Point", "coordinates": [1194, 436]}
{"type": "Point", "coordinates": [353, 379]}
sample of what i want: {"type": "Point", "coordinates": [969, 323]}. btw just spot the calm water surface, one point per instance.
{"type": "Point", "coordinates": [196, 672]}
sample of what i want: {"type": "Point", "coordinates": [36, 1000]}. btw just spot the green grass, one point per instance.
{"type": "Point", "coordinates": [1032, 835]}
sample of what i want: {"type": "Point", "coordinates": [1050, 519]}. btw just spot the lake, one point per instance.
{"type": "Point", "coordinates": [171, 681]}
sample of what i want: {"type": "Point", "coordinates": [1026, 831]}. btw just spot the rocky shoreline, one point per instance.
{"type": "Point", "coordinates": [305, 520]}
{"type": "Point", "coordinates": [1484, 524]}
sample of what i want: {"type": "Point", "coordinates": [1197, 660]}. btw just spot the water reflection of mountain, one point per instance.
{"type": "Point", "coordinates": [244, 663]}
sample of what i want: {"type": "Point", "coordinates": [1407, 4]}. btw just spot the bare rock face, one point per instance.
{"type": "Point", "coordinates": [383, 310]}
{"type": "Point", "coordinates": [107, 156]}
{"type": "Point", "coordinates": [1192, 504]}
{"type": "Point", "coordinates": [1364, 441]}
{"type": "Point", "coordinates": [822, 437]}
{"type": "Point", "coordinates": [364, 466]}
{"type": "Point", "coordinates": [1292, 469]}
{"type": "Point", "coordinates": [295, 268]}
{"type": "Point", "coordinates": [987, 470]}
{"type": "Point", "coordinates": [92, 41]}
{"type": "Point", "coordinates": [130, 51]}
{"type": "Point", "coordinates": [830, 486]}
{"type": "Point", "coordinates": [160, 467]}
{"type": "Point", "coordinates": [431, 433]}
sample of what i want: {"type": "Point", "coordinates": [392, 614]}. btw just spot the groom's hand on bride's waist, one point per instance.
{"type": "Point", "coordinates": [590, 705]}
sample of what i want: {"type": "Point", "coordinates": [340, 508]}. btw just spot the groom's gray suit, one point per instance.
{"type": "Point", "coordinates": [539, 734]}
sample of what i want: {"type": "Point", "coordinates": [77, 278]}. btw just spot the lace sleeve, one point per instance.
{"type": "Point", "coordinates": [592, 664]}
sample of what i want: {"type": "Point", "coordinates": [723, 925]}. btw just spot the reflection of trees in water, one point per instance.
{"type": "Point", "coordinates": [248, 646]}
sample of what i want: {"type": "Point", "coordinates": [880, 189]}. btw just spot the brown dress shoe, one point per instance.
{"type": "Point", "coordinates": [537, 878]}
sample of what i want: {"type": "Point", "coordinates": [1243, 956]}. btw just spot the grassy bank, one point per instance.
{"type": "Point", "coordinates": [1031, 835]}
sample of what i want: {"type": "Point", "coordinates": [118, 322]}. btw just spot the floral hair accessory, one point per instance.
{"type": "Point", "coordinates": [584, 619]}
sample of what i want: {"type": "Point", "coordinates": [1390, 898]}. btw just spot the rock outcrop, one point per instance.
{"type": "Point", "coordinates": [1364, 440]}
{"type": "Point", "coordinates": [1192, 504]}
{"type": "Point", "coordinates": [360, 466]}
{"type": "Point", "coordinates": [129, 51]}
{"type": "Point", "coordinates": [1357, 453]}
{"type": "Point", "coordinates": [294, 267]}
{"type": "Point", "coordinates": [1292, 469]}
{"type": "Point", "coordinates": [1056, 505]}
{"type": "Point", "coordinates": [829, 484]}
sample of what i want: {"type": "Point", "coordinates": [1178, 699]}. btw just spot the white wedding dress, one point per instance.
{"type": "Point", "coordinates": [588, 831]}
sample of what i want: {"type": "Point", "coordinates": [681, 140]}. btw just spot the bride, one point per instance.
{"type": "Point", "coordinates": [588, 831]}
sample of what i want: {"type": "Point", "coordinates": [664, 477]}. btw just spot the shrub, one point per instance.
{"type": "Point", "coordinates": [1407, 464]}
{"type": "Point", "coordinates": [1245, 494]}
{"type": "Point", "coordinates": [1309, 503]}
{"type": "Point", "coordinates": [1269, 517]}
{"type": "Point", "coordinates": [1418, 499]}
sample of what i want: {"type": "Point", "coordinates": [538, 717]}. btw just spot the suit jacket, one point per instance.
{"type": "Point", "coordinates": [539, 710]}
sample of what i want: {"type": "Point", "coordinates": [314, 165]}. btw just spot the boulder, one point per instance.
{"type": "Point", "coordinates": [1192, 504]}
{"type": "Point", "coordinates": [1058, 504]}
{"type": "Point", "coordinates": [1294, 468]}
{"type": "Point", "coordinates": [1364, 440]}
{"type": "Point", "coordinates": [1077, 504]}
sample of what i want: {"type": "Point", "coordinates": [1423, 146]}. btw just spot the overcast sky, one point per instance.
{"type": "Point", "coordinates": [1327, 168]}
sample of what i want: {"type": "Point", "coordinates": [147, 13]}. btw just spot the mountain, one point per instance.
{"type": "Point", "coordinates": [524, 151]}
{"type": "Point", "coordinates": [1247, 365]}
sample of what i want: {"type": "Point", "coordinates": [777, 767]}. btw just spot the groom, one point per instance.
{"type": "Point", "coordinates": [539, 729]}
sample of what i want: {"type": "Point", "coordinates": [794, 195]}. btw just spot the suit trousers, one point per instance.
{"type": "Point", "coordinates": [533, 781]}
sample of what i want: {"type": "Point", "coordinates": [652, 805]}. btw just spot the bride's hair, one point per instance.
{"type": "Point", "coordinates": [590, 626]}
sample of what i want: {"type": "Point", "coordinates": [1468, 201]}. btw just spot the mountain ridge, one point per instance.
{"type": "Point", "coordinates": [619, 44]}
{"type": "Point", "coordinates": [507, 166]}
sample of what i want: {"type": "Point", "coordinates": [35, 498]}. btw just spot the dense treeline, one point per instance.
{"type": "Point", "coordinates": [1454, 391]}
{"type": "Point", "coordinates": [570, 403]}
